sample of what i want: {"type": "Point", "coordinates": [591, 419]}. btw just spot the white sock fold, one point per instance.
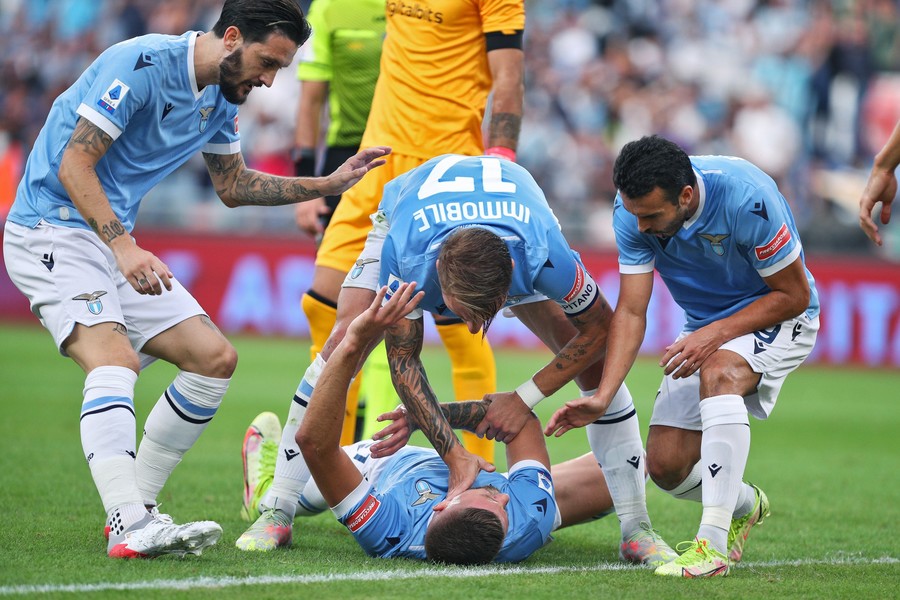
{"type": "Point", "coordinates": [615, 440]}
{"type": "Point", "coordinates": [179, 417]}
{"type": "Point", "coordinates": [691, 488]}
{"type": "Point", "coordinates": [108, 434]}
{"type": "Point", "coordinates": [724, 448]}
{"type": "Point", "coordinates": [291, 472]}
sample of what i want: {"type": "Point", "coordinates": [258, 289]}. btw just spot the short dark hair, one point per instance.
{"type": "Point", "coordinates": [652, 162]}
{"type": "Point", "coordinates": [257, 19]}
{"type": "Point", "coordinates": [476, 270]}
{"type": "Point", "coordinates": [470, 536]}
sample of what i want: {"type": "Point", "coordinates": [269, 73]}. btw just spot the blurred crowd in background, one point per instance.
{"type": "Point", "coordinates": [808, 90]}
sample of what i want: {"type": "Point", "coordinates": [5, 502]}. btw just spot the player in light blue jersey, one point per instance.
{"type": "Point", "coordinates": [478, 235]}
{"type": "Point", "coordinates": [398, 506]}
{"type": "Point", "coordinates": [142, 109]}
{"type": "Point", "coordinates": [723, 240]}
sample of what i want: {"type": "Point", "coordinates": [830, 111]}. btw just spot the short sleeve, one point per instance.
{"type": "Point", "coordinates": [125, 78]}
{"type": "Point", "coordinates": [505, 16]}
{"type": "Point", "coordinates": [635, 255]}
{"type": "Point", "coordinates": [315, 55]}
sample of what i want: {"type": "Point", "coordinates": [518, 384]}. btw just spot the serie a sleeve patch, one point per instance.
{"type": "Point", "coordinates": [771, 248]}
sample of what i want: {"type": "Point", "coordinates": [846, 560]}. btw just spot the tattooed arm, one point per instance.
{"type": "Point", "coordinates": [403, 341]}
{"type": "Point", "coordinates": [579, 342]}
{"type": "Point", "coordinates": [236, 185]}
{"type": "Point", "coordinates": [88, 144]}
{"type": "Point", "coordinates": [508, 90]}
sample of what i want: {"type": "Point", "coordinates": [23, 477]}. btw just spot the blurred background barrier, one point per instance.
{"type": "Point", "coordinates": [253, 284]}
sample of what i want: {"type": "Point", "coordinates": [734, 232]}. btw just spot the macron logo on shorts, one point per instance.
{"type": "Point", "coordinates": [362, 515]}
{"type": "Point", "coordinates": [770, 248]}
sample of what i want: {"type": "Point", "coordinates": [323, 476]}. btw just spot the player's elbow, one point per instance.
{"type": "Point", "coordinates": [310, 444]}
{"type": "Point", "coordinates": [227, 198]}
{"type": "Point", "coordinates": [799, 301]}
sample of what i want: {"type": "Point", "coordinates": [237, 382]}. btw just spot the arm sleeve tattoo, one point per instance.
{"type": "Point", "coordinates": [404, 345]}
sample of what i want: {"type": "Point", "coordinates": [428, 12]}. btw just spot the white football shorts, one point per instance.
{"type": "Point", "coordinates": [773, 353]}
{"type": "Point", "coordinates": [69, 276]}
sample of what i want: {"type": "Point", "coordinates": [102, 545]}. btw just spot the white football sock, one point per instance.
{"type": "Point", "coordinates": [723, 455]}
{"type": "Point", "coordinates": [173, 426]}
{"type": "Point", "coordinates": [691, 488]}
{"type": "Point", "coordinates": [746, 500]}
{"type": "Point", "coordinates": [615, 440]}
{"type": "Point", "coordinates": [108, 434]}
{"type": "Point", "coordinates": [291, 472]}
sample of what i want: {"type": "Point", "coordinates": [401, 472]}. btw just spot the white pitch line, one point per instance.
{"type": "Point", "coordinates": [430, 572]}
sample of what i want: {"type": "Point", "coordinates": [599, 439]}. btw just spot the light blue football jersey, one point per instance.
{"type": "Point", "coordinates": [714, 266]}
{"type": "Point", "coordinates": [425, 205]}
{"type": "Point", "coordinates": [143, 93]}
{"type": "Point", "coordinates": [390, 521]}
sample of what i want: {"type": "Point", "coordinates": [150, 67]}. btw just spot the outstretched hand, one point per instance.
{"type": "Point", "coordinates": [353, 170]}
{"type": "Point", "coordinates": [575, 413]}
{"type": "Point", "coordinates": [380, 315]}
{"type": "Point", "coordinates": [880, 187]}
{"type": "Point", "coordinates": [394, 436]}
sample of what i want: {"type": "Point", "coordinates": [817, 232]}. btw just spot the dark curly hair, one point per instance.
{"type": "Point", "coordinates": [652, 162]}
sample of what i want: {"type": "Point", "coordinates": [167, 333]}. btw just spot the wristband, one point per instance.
{"type": "Point", "coordinates": [530, 393]}
{"type": "Point", "coordinates": [304, 162]}
{"type": "Point", "coordinates": [502, 152]}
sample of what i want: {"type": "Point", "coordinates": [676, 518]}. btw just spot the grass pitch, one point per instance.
{"type": "Point", "coordinates": [827, 459]}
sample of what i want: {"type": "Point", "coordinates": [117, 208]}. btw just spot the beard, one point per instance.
{"type": "Point", "coordinates": [230, 82]}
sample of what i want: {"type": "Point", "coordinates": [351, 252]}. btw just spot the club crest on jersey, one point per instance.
{"type": "Point", "coordinates": [360, 265]}
{"type": "Point", "coordinates": [425, 493]}
{"type": "Point", "coordinates": [93, 301]}
{"type": "Point", "coordinates": [204, 117]}
{"type": "Point", "coordinates": [113, 96]}
{"type": "Point", "coordinates": [715, 240]}
{"type": "Point", "coordinates": [544, 482]}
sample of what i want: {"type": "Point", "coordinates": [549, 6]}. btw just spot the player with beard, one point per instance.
{"type": "Point", "coordinates": [140, 111]}
{"type": "Point", "coordinates": [724, 241]}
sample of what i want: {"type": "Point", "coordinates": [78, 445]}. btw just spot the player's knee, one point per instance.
{"type": "Point", "coordinates": [722, 377]}
{"type": "Point", "coordinates": [664, 471]}
{"type": "Point", "coordinates": [221, 360]}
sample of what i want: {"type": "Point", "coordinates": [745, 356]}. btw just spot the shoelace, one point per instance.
{"type": "Point", "coordinates": [267, 458]}
{"type": "Point", "coordinates": [696, 545]}
{"type": "Point", "coordinates": [161, 517]}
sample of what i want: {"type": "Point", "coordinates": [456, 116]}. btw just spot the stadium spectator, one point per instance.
{"type": "Point", "coordinates": [140, 110]}
{"type": "Point", "coordinates": [723, 239]}
{"type": "Point", "coordinates": [479, 234]}
{"type": "Point", "coordinates": [881, 187]}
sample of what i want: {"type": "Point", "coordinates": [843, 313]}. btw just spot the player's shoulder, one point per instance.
{"type": "Point", "coordinates": [146, 56]}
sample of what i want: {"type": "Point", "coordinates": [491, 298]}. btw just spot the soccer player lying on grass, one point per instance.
{"type": "Point", "coordinates": [499, 519]}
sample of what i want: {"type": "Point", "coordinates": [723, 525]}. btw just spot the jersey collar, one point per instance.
{"type": "Point", "coordinates": [192, 73]}
{"type": "Point", "coordinates": [701, 190]}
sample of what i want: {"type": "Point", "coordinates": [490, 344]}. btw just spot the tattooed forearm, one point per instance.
{"type": "Point", "coordinates": [262, 189]}
{"type": "Point", "coordinates": [90, 137]}
{"type": "Point", "coordinates": [239, 186]}
{"type": "Point", "coordinates": [504, 130]}
{"type": "Point", "coordinates": [404, 344]}
{"type": "Point", "coordinates": [108, 231]}
{"type": "Point", "coordinates": [465, 415]}
{"type": "Point", "coordinates": [119, 328]}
